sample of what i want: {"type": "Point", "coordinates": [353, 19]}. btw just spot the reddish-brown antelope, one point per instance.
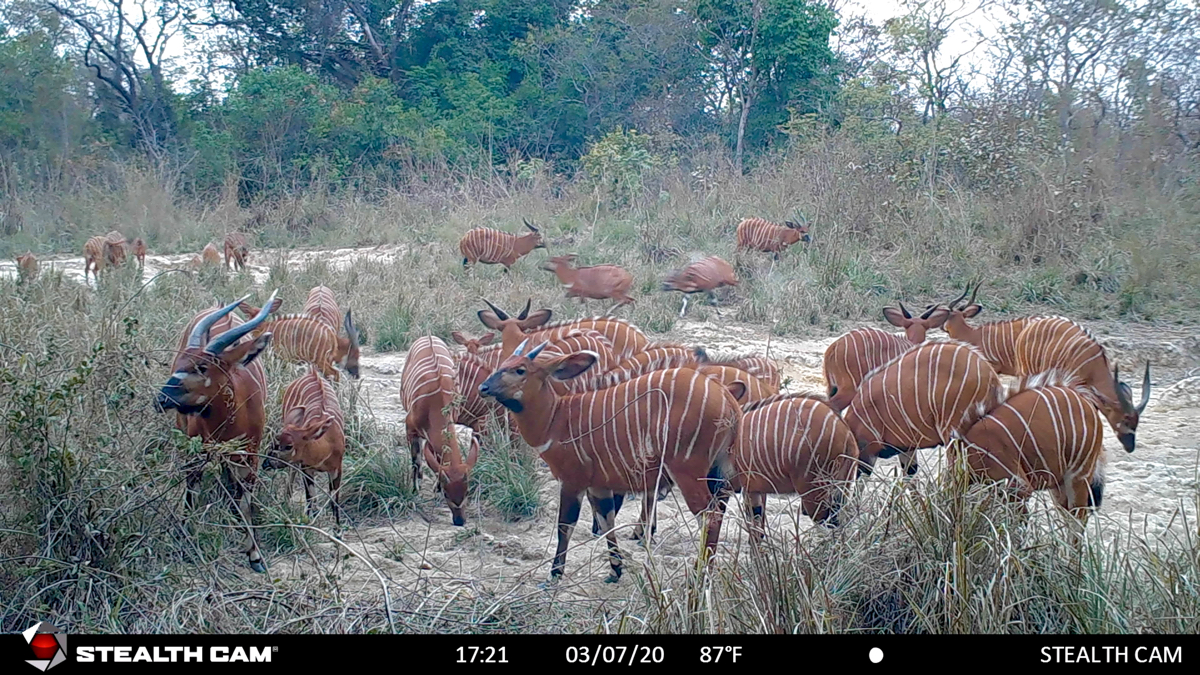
{"type": "Point", "coordinates": [139, 251]}
{"type": "Point", "coordinates": [921, 399]}
{"type": "Point", "coordinates": [493, 247]}
{"type": "Point", "coordinates": [850, 357]}
{"type": "Point", "coordinates": [237, 252]}
{"type": "Point", "coordinates": [27, 267]}
{"type": "Point", "coordinates": [648, 361]}
{"type": "Point", "coordinates": [301, 338]}
{"type": "Point", "coordinates": [626, 338]}
{"type": "Point", "coordinates": [312, 438]}
{"type": "Point", "coordinates": [322, 305]}
{"type": "Point", "coordinates": [427, 391]}
{"type": "Point", "coordinates": [1047, 435]}
{"type": "Point", "coordinates": [471, 372]}
{"type": "Point", "coordinates": [512, 330]}
{"type": "Point", "coordinates": [754, 389]}
{"type": "Point", "coordinates": [221, 389]}
{"type": "Point", "coordinates": [1056, 343]}
{"type": "Point", "coordinates": [793, 444]}
{"type": "Point", "coordinates": [764, 368]}
{"type": "Point", "coordinates": [997, 340]}
{"type": "Point", "coordinates": [756, 234]}
{"type": "Point", "coordinates": [703, 276]}
{"type": "Point", "coordinates": [581, 341]}
{"type": "Point", "coordinates": [673, 423]}
{"type": "Point", "coordinates": [473, 344]}
{"type": "Point", "coordinates": [101, 251]}
{"type": "Point", "coordinates": [597, 282]}
{"type": "Point", "coordinates": [210, 256]}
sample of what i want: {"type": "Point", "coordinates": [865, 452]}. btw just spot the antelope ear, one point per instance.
{"type": "Point", "coordinates": [535, 319]}
{"type": "Point", "coordinates": [430, 459]}
{"type": "Point", "coordinates": [249, 310]}
{"type": "Point", "coordinates": [488, 318]}
{"type": "Point", "coordinates": [573, 365]}
{"type": "Point", "coordinates": [487, 339]}
{"type": "Point", "coordinates": [319, 428]}
{"type": "Point", "coordinates": [738, 389]}
{"type": "Point", "coordinates": [895, 317]}
{"type": "Point", "coordinates": [294, 416]}
{"type": "Point", "coordinates": [971, 310]}
{"type": "Point", "coordinates": [245, 353]}
{"type": "Point", "coordinates": [473, 453]}
{"type": "Point", "coordinates": [459, 337]}
{"type": "Point", "coordinates": [275, 306]}
{"type": "Point", "coordinates": [936, 318]}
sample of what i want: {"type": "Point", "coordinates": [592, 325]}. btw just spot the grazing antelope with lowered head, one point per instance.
{"type": "Point", "coordinates": [793, 444]}
{"type": "Point", "coordinates": [754, 389]}
{"type": "Point", "coordinates": [427, 391]}
{"type": "Point", "coordinates": [27, 267]}
{"type": "Point", "coordinates": [237, 251]}
{"type": "Point", "coordinates": [1056, 343]}
{"type": "Point", "coordinates": [300, 338]}
{"type": "Point", "coordinates": [702, 276]}
{"type": "Point", "coordinates": [209, 257]}
{"type": "Point", "coordinates": [1047, 435]}
{"type": "Point", "coordinates": [100, 251]}
{"type": "Point", "coordinates": [621, 439]}
{"type": "Point", "coordinates": [921, 399]}
{"type": "Point", "coordinates": [764, 368]}
{"type": "Point", "coordinates": [323, 306]}
{"type": "Point", "coordinates": [997, 340]}
{"type": "Point", "coordinates": [597, 282]}
{"type": "Point", "coordinates": [493, 247]}
{"type": "Point", "coordinates": [312, 439]}
{"type": "Point", "coordinates": [219, 389]}
{"type": "Point", "coordinates": [757, 234]}
{"type": "Point", "coordinates": [850, 357]}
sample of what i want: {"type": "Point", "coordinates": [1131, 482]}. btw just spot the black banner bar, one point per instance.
{"type": "Point", "coordinates": [263, 653]}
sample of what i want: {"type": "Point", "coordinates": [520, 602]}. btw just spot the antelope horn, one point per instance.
{"type": "Point", "coordinates": [521, 347]}
{"type": "Point", "coordinates": [1145, 390]}
{"type": "Point", "coordinates": [525, 312]}
{"type": "Point", "coordinates": [537, 350]}
{"type": "Point", "coordinates": [929, 311]}
{"type": "Point", "coordinates": [905, 310]}
{"type": "Point", "coordinates": [201, 328]}
{"type": "Point", "coordinates": [959, 299]}
{"type": "Point", "coordinates": [500, 314]}
{"type": "Point", "coordinates": [529, 225]}
{"type": "Point", "coordinates": [975, 292]}
{"type": "Point", "coordinates": [229, 337]}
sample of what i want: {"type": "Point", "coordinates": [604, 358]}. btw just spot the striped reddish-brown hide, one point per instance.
{"type": "Point", "coordinates": [493, 247]}
{"type": "Point", "coordinates": [921, 399]}
{"type": "Point", "coordinates": [102, 251]}
{"type": "Point", "coordinates": [427, 391]}
{"type": "Point", "coordinates": [648, 361]}
{"type": "Point", "coordinates": [237, 252]}
{"type": "Point", "coordinates": [757, 234]}
{"type": "Point", "coordinates": [756, 389]}
{"type": "Point", "coordinates": [765, 369]}
{"type": "Point", "coordinates": [218, 390]}
{"type": "Point", "coordinates": [312, 439]}
{"type": "Point", "coordinates": [793, 444]}
{"type": "Point", "coordinates": [997, 340]}
{"type": "Point", "coordinates": [674, 423]}
{"type": "Point", "coordinates": [1048, 435]}
{"type": "Point", "coordinates": [321, 304]}
{"type": "Point", "coordinates": [580, 341]}
{"type": "Point", "coordinates": [471, 371]}
{"type": "Point", "coordinates": [300, 338]}
{"type": "Point", "coordinates": [1059, 344]}
{"type": "Point", "coordinates": [626, 338]}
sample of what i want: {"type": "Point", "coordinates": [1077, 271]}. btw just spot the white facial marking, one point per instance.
{"type": "Point", "coordinates": [201, 399]}
{"type": "Point", "coordinates": [179, 374]}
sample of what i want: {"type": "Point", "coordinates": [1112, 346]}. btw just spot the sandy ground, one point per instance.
{"type": "Point", "coordinates": [1152, 490]}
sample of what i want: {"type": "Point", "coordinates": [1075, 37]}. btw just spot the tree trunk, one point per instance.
{"type": "Point", "coordinates": [737, 157]}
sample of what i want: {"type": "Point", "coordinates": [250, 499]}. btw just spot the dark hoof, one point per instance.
{"type": "Point", "coordinates": [258, 566]}
{"type": "Point", "coordinates": [612, 578]}
{"type": "Point", "coordinates": [912, 469]}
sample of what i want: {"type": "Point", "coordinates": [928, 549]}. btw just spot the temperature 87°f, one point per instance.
{"type": "Point", "coordinates": [720, 654]}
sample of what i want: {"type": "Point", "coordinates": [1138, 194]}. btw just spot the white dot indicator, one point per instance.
{"type": "Point", "coordinates": [876, 654]}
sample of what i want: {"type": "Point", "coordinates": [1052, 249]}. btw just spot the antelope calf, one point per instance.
{"type": "Point", "coordinates": [312, 439]}
{"type": "Point", "coordinates": [322, 306]}
{"type": "Point", "coordinates": [997, 340]}
{"type": "Point", "coordinates": [1058, 344]}
{"type": "Point", "coordinates": [210, 257]}
{"type": "Point", "coordinates": [675, 424]}
{"type": "Point", "coordinates": [27, 267]}
{"type": "Point", "coordinates": [598, 282]}
{"type": "Point", "coordinates": [1047, 435]}
{"type": "Point", "coordinates": [427, 391]}
{"type": "Point", "coordinates": [756, 234]}
{"type": "Point", "coordinates": [765, 369]}
{"type": "Point", "coordinates": [493, 247]}
{"type": "Point", "coordinates": [139, 251]}
{"type": "Point", "coordinates": [793, 444]}
{"type": "Point", "coordinates": [703, 276]}
{"type": "Point", "coordinates": [300, 338]}
{"type": "Point", "coordinates": [850, 357]}
{"type": "Point", "coordinates": [473, 344]}
{"type": "Point", "coordinates": [219, 390]}
{"type": "Point", "coordinates": [237, 251]}
{"type": "Point", "coordinates": [921, 399]}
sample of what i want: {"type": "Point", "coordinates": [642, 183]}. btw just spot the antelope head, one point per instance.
{"type": "Point", "coordinates": [202, 371]}
{"type": "Point", "coordinates": [473, 344]}
{"type": "Point", "coordinates": [915, 329]}
{"type": "Point", "coordinates": [1124, 418]}
{"type": "Point", "coordinates": [520, 379]}
{"type": "Point", "coordinates": [537, 234]}
{"type": "Point", "coordinates": [350, 361]}
{"type": "Point", "coordinates": [800, 230]}
{"type": "Point", "coordinates": [513, 329]}
{"type": "Point", "coordinates": [452, 473]}
{"type": "Point", "coordinates": [295, 436]}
